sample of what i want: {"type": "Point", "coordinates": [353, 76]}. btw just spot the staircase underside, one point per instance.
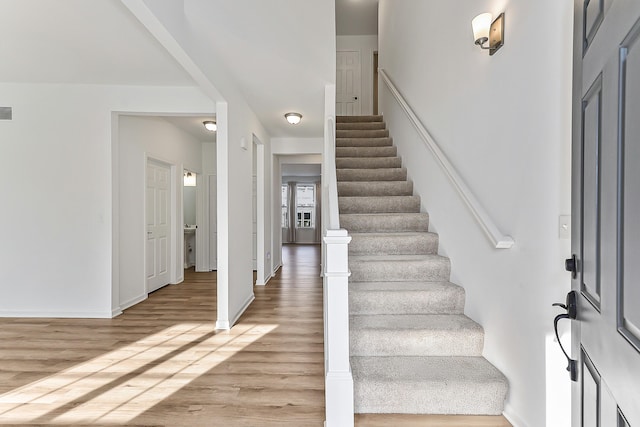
{"type": "Point", "coordinates": [412, 348]}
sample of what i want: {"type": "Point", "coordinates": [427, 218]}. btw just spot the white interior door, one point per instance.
{"type": "Point", "coordinates": [213, 223]}
{"type": "Point", "coordinates": [348, 78]}
{"type": "Point", "coordinates": [158, 213]}
{"type": "Point", "coordinates": [606, 154]}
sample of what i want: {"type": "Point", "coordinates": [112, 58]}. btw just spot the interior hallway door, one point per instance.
{"type": "Point", "coordinates": [348, 82]}
{"type": "Point", "coordinates": [606, 189]}
{"type": "Point", "coordinates": [158, 213]}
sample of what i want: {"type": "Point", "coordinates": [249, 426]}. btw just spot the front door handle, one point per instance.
{"type": "Point", "coordinates": [571, 307]}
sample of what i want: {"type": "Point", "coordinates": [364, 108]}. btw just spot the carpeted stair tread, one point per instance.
{"type": "Point", "coordinates": [428, 385]}
{"type": "Point", "coordinates": [360, 125]}
{"type": "Point", "coordinates": [376, 133]}
{"type": "Point", "coordinates": [415, 335]}
{"type": "Point", "coordinates": [358, 119]}
{"type": "Point", "coordinates": [407, 243]}
{"type": "Point", "coordinates": [364, 142]}
{"type": "Point", "coordinates": [386, 204]}
{"type": "Point", "coordinates": [369, 163]}
{"type": "Point", "coordinates": [399, 268]}
{"type": "Point", "coordinates": [413, 349]}
{"type": "Point", "coordinates": [375, 188]}
{"type": "Point", "coordinates": [390, 151]}
{"type": "Point", "coordinates": [385, 222]}
{"type": "Point", "coordinates": [405, 298]}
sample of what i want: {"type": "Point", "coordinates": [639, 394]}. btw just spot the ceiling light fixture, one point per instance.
{"type": "Point", "coordinates": [293, 118]}
{"type": "Point", "coordinates": [210, 125]}
{"type": "Point", "coordinates": [486, 31]}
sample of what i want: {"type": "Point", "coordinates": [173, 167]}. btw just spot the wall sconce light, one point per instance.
{"type": "Point", "coordinates": [293, 118]}
{"type": "Point", "coordinates": [486, 31]}
{"type": "Point", "coordinates": [189, 179]}
{"type": "Point", "coordinates": [210, 125]}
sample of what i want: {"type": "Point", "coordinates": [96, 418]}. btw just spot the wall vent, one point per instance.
{"type": "Point", "coordinates": [5, 113]}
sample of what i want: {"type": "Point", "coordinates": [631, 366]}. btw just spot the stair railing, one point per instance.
{"type": "Point", "coordinates": [339, 406]}
{"type": "Point", "coordinates": [497, 238]}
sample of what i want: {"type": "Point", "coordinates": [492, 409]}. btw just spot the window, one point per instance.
{"type": "Point", "coordinates": [285, 206]}
{"type": "Point", "coordinates": [305, 206]}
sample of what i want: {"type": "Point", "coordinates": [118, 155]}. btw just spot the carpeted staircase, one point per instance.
{"type": "Point", "coordinates": [412, 348]}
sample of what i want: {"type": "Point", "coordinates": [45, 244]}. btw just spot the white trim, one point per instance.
{"type": "Point", "coordinates": [497, 238]}
{"type": "Point", "coordinates": [339, 398]}
{"type": "Point", "coordinates": [133, 301]}
{"type": "Point", "coordinates": [276, 268]}
{"type": "Point", "coordinates": [511, 416]}
{"type": "Point", "coordinates": [226, 324]}
{"type": "Point", "coordinates": [116, 312]}
{"type": "Point", "coordinates": [61, 314]}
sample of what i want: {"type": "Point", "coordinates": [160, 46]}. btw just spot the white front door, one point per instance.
{"type": "Point", "coordinates": [606, 202]}
{"type": "Point", "coordinates": [158, 213]}
{"type": "Point", "coordinates": [348, 77]}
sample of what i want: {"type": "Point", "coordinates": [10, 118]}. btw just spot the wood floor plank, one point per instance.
{"type": "Point", "coordinates": [162, 363]}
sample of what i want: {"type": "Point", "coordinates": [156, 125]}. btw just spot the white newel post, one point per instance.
{"type": "Point", "coordinates": [338, 378]}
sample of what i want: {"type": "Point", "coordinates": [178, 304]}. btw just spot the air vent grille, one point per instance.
{"type": "Point", "coordinates": [6, 113]}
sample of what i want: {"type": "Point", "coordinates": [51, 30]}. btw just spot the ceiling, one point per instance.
{"type": "Point", "coordinates": [281, 55]}
{"type": "Point", "coordinates": [289, 169]}
{"type": "Point", "coordinates": [76, 41]}
{"type": "Point", "coordinates": [193, 126]}
{"type": "Point", "coordinates": [356, 17]}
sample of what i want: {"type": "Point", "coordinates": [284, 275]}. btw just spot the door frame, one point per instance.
{"type": "Point", "coordinates": [261, 277]}
{"type": "Point", "coordinates": [175, 255]}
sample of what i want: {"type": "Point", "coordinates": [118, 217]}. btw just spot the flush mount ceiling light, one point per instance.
{"type": "Point", "coordinates": [210, 125]}
{"type": "Point", "coordinates": [486, 31]}
{"type": "Point", "coordinates": [293, 118]}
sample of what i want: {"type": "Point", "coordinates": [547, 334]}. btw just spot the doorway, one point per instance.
{"type": "Point", "coordinates": [300, 202]}
{"type": "Point", "coordinates": [348, 75]}
{"type": "Point", "coordinates": [158, 198]}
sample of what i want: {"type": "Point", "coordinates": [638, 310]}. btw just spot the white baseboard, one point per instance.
{"type": "Point", "coordinates": [116, 312]}
{"type": "Point", "coordinates": [133, 301]}
{"type": "Point", "coordinates": [227, 324]}
{"type": "Point", "coordinates": [512, 417]}
{"type": "Point", "coordinates": [59, 314]}
{"type": "Point", "coordinates": [275, 269]}
{"type": "Point", "coordinates": [264, 282]}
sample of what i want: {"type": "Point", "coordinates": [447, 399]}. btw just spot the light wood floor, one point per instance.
{"type": "Point", "coordinates": [162, 363]}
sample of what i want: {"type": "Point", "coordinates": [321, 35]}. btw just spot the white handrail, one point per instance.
{"type": "Point", "coordinates": [499, 240]}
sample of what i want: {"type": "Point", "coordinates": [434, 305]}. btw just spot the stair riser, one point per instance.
{"type": "Point", "coordinates": [380, 133]}
{"type": "Point", "coordinates": [366, 151]}
{"type": "Point", "coordinates": [416, 342]}
{"type": "Point", "coordinates": [368, 163]}
{"type": "Point", "coordinates": [399, 271]}
{"type": "Point", "coordinates": [406, 302]}
{"type": "Point", "coordinates": [379, 244]}
{"type": "Point", "coordinates": [449, 398]}
{"type": "Point", "coordinates": [393, 204]}
{"type": "Point", "coordinates": [385, 223]}
{"type": "Point", "coordinates": [361, 126]}
{"type": "Point", "coordinates": [364, 142]}
{"type": "Point", "coordinates": [397, 174]}
{"type": "Point", "coordinates": [355, 119]}
{"type": "Point", "coordinates": [381, 188]}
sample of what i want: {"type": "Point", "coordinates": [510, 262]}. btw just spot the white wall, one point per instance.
{"type": "Point", "coordinates": [56, 249]}
{"type": "Point", "coordinates": [366, 45]}
{"type": "Point", "coordinates": [170, 23]}
{"type": "Point", "coordinates": [504, 122]}
{"type": "Point", "coordinates": [140, 137]}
